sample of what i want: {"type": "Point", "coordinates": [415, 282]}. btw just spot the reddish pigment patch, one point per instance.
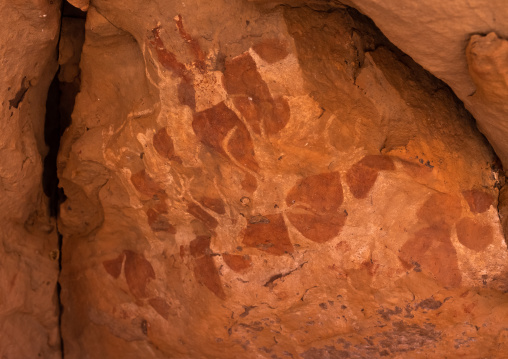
{"type": "Point", "coordinates": [271, 237]}
{"type": "Point", "coordinates": [319, 228]}
{"type": "Point", "coordinates": [370, 267]}
{"type": "Point", "coordinates": [433, 250]}
{"type": "Point", "coordinates": [479, 201]}
{"type": "Point", "coordinates": [199, 56]}
{"type": "Point", "coordinates": [158, 222]}
{"type": "Point", "coordinates": [252, 97]}
{"type": "Point", "coordinates": [363, 174]}
{"type": "Point", "coordinates": [241, 148]}
{"type": "Point", "coordinates": [186, 91]}
{"type": "Point", "coordinates": [440, 208]}
{"type": "Point", "coordinates": [187, 94]}
{"type": "Point", "coordinates": [271, 50]}
{"type": "Point", "coordinates": [322, 192]}
{"type": "Point", "coordinates": [474, 235]}
{"type": "Point", "coordinates": [212, 125]}
{"type": "Point", "coordinates": [138, 272]}
{"type": "Point", "coordinates": [160, 206]}
{"type": "Point", "coordinates": [279, 118]}
{"type": "Point", "coordinates": [114, 266]}
{"type": "Point", "coordinates": [206, 274]}
{"type": "Point", "coordinates": [167, 58]}
{"type": "Point", "coordinates": [200, 246]}
{"type": "Point", "coordinates": [160, 306]}
{"type": "Point", "coordinates": [249, 183]}
{"type": "Point", "coordinates": [378, 162]}
{"type": "Point", "coordinates": [202, 215]}
{"type": "Point", "coordinates": [249, 110]}
{"type": "Point", "coordinates": [215, 204]}
{"type": "Point", "coordinates": [236, 262]}
{"type": "Point", "coordinates": [163, 144]}
{"type": "Point", "coordinates": [146, 185]}
{"type": "Point", "coordinates": [360, 180]}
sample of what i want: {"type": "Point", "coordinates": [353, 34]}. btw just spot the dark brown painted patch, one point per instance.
{"type": "Point", "coordinates": [440, 208]}
{"type": "Point", "coordinates": [271, 237]}
{"type": "Point", "coordinates": [163, 144]}
{"type": "Point", "coordinates": [236, 262]}
{"type": "Point", "coordinates": [158, 222]}
{"type": "Point", "coordinates": [146, 185]}
{"type": "Point", "coordinates": [433, 250]}
{"type": "Point", "coordinates": [200, 246]}
{"type": "Point", "coordinates": [114, 266]}
{"type": "Point", "coordinates": [363, 174]}
{"type": "Point", "coordinates": [206, 274]}
{"type": "Point", "coordinates": [252, 97]}
{"type": "Point", "coordinates": [138, 272]}
{"type": "Point", "coordinates": [479, 201]}
{"type": "Point", "coordinates": [215, 204]}
{"type": "Point", "coordinates": [202, 215]}
{"type": "Point", "coordinates": [474, 235]}
{"type": "Point", "coordinates": [161, 306]}
{"type": "Point", "coordinates": [429, 304]}
{"type": "Point", "coordinates": [211, 127]}
{"type": "Point", "coordinates": [271, 50]}
{"type": "Point", "coordinates": [322, 192]}
{"type": "Point", "coordinates": [20, 94]}
{"type": "Point", "coordinates": [319, 228]}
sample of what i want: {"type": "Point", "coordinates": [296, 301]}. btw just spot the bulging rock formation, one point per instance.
{"type": "Point", "coordinates": [461, 42]}
{"type": "Point", "coordinates": [256, 181]}
{"type": "Point", "coordinates": [28, 238]}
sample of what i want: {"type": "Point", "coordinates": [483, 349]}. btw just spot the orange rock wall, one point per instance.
{"type": "Point", "coordinates": [247, 181]}
{"type": "Point", "coordinates": [250, 179]}
{"type": "Point", "coordinates": [28, 237]}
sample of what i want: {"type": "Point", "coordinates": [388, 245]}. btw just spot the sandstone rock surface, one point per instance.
{"type": "Point", "coordinates": [246, 181]}
{"type": "Point", "coordinates": [28, 238]}
{"type": "Point", "coordinates": [462, 42]}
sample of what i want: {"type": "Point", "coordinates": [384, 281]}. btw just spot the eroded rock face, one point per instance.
{"type": "Point", "coordinates": [293, 188]}
{"type": "Point", "coordinates": [464, 43]}
{"type": "Point", "coordinates": [28, 239]}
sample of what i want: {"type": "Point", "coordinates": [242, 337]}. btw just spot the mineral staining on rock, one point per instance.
{"type": "Point", "coordinates": [293, 188]}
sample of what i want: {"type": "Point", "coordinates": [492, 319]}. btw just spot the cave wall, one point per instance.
{"type": "Point", "coordinates": [464, 43]}
{"type": "Point", "coordinates": [295, 187]}
{"type": "Point", "coordinates": [28, 238]}
{"type": "Point", "coordinates": [253, 179]}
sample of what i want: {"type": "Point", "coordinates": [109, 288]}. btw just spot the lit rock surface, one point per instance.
{"type": "Point", "coordinates": [436, 33]}
{"type": "Point", "coordinates": [28, 239]}
{"type": "Point", "coordinates": [249, 182]}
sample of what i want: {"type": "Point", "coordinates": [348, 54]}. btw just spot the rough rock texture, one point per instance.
{"type": "Point", "coordinates": [250, 182]}
{"type": "Point", "coordinates": [462, 42]}
{"type": "Point", "coordinates": [28, 238]}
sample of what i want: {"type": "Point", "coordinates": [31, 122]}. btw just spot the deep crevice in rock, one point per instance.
{"type": "Point", "coordinates": [59, 106]}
